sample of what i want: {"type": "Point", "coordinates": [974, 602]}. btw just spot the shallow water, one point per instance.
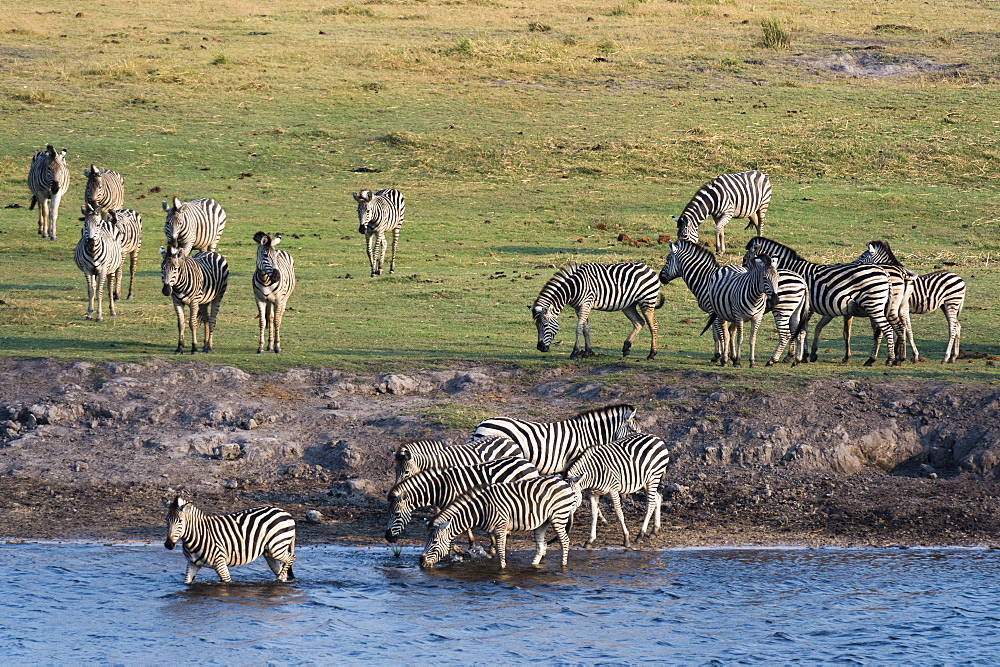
{"type": "Point", "coordinates": [127, 603]}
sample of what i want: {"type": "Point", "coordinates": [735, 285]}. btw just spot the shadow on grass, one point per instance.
{"type": "Point", "coordinates": [543, 250]}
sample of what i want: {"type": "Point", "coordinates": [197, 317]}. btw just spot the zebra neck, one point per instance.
{"type": "Point", "coordinates": [694, 212]}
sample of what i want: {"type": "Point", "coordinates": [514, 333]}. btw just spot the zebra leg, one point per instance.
{"type": "Point", "coordinates": [282, 568]}
{"type": "Point", "coordinates": [754, 326]}
{"type": "Point", "coordinates": [636, 319]}
{"type": "Point", "coordinates": [43, 216]}
{"type": "Point", "coordinates": [738, 348]}
{"type": "Point", "coordinates": [954, 332]}
{"type": "Point", "coordinates": [279, 312]}
{"type": "Point", "coordinates": [193, 323]}
{"type": "Point", "coordinates": [540, 546]}
{"type": "Point", "coordinates": [563, 535]}
{"type": "Point", "coordinates": [823, 321]}
{"type": "Point", "coordinates": [370, 239]}
{"type": "Point", "coordinates": [213, 313]}
{"type": "Point", "coordinates": [179, 309]}
{"type": "Point", "coordinates": [54, 215]}
{"type": "Point", "coordinates": [262, 325]}
{"type": "Point", "coordinates": [114, 289]}
{"type": "Point", "coordinates": [501, 539]}
{"type": "Point", "coordinates": [395, 243]}
{"type": "Point", "coordinates": [192, 570]}
{"type": "Point", "coordinates": [581, 325]}
{"type": "Point", "coordinates": [879, 320]}
{"type": "Point", "coordinates": [132, 259]}
{"type": "Point", "coordinates": [594, 511]}
{"type": "Point", "coordinates": [649, 314]}
{"type": "Point", "coordinates": [616, 501]}
{"type": "Point", "coordinates": [91, 288]}
{"type": "Point", "coordinates": [719, 338]}
{"type": "Point", "coordinates": [720, 233]}
{"type": "Point", "coordinates": [782, 324]}
{"type": "Point", "coordinates": [652, 507]}
{"type": "Point", "coordinates": [223, 571]}
{"type": "Point", "coordinates": [101, 278]}
{"type": "Point", "coordinates": [380, 244]}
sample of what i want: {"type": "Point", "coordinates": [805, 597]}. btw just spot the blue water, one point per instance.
{"type": "Point", "coordinates": [127, 603]}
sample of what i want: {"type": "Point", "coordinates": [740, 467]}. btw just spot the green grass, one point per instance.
{"type": "Point", "coordinates": [518, 148]}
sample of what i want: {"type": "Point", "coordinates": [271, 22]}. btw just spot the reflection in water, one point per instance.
{"type": "Point", "coordinates": [127, 603]}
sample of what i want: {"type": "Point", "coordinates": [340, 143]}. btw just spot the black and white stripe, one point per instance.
{"type": "Point", "coordinates": [105, 191]}
{"type": "Point", "coordinates": [378, 214]}
{"type": "Point", "coordinates": [737, 294]}
{"type": "Point", "coordinates": [194, 224]}
{"type": "Point", "coordinates": [745, 194]}
{"type": "Point", "coordinates": [98, 253]}
{"type": "Point", "coordinates": [224, 540]}
{"type": "Point", "coordinates": [127, 226]}
{"type": "Point", "coordinates": [48, 181]}
{"type": "Point", "coordinates": [273, 283]}
{"type": "Point", "coordinates": [436, 487]}
{"type": "Point", "coordinates": [632, 464]}
{"type": "Point", "coordinates": [631, 287]}
{"type": "Point", "coordinates": [836, 290]}
{"type": "Point", "coordinates": [199, 283]}
{"type": "Point", "coordinates": [553, 446]}
{"type": "Point", "coordinates": [413, 457]}
{"type": "Point", "coordinates": [528, 504]}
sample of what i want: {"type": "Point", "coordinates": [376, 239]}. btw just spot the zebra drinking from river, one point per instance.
{"type": "Point", "coordinates": [48, 180]}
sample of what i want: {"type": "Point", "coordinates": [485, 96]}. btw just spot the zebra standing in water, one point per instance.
{"type": "Point", "coordinates": [105, 191]}
{"type": "Point", "coordinates": [273, 283]}
{"type": "Point", "coordinates": [553, 446]}
{"type": "Point", "coordinates": [378, 214]}
{"type": "Point", "coordinates": [745, 194]}
{"type": "Point", "coordinates": [199, 283]}
{"type": "Point", "coordinates": [736, 295]}
{"type": "Point", "coordinates": [413, 457]}
{"type": "Point", "coordinates": [635, 463]}
{"type": "Point", "coordinates": [836, 290]}
{"type": "Point", "coordinates": [98, 253]}
{"type": "Point", "coordinates": [127, 226]}
{"type": "Point", "coordinates": [48, 180]}
{"type": "Point", "coordinates": [194, 224]}
{"type": "Point", "coordinates": [630, 287]}
{"type": "Point", "coordinates": [436, 487]}
{"type": "Point", "coordinates": [224, 540]}
{"type": "Point", "coordinates": [940, 289]}
{"type": "Point", "coordinates": [528, 504]}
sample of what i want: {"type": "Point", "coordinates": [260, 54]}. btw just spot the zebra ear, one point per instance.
{"type": "Point", "coordinates": [356, 197]}
{"type": "Point", "coordinates": [167, 502]}
{"type": "Point", "coordinates": [676, 219]}
{"type": "Point", "coordinates": [177, 203]}
{"type": "Point", "coordinates": [163, 252]}
{"type": "Point", "coordinates": [871, 246]}
{"type": "Point", "coordinates": [276, 239]}
{"type": "Point", "coordinates": [166, 208]}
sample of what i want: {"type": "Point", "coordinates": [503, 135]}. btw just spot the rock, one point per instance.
{"type": "Point", "coordinates": [231, 484]}
{"type": "Point", "coordinates": [928, 470]}
{"type": "Point", "coordinates": [312, 516]}
{"type": "Point", "coordinates": [229, 451]}
{"type": "Point", "coordinates": [357, 491]}
{"type": "Point", "coordinates": [720, 397]}
{"type": "Point", "coordinates": [469, 382]}
{"type": "Point", "coordinates": [399, 385]}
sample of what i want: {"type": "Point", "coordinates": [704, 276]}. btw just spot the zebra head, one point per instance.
{"type": "Point", "coordinates": [176, 521]}
{"type": "Point", "coordinates": [438, 542]}
{"type": "Point", "coordinates": [170, 267]}
{"type": "Point", "coordinates": [170, 227]}
{"type": "Point", "coordinates": [93, 226]}
{"type": "Point", "coordinates": [671, 266]}
{"type": "Point", "coordinates": [547, 323]}
{"type": "Point", "coordinates": [400, 514]}
{"type": "Point", "coordinates": [628, 424]}
{"type": "Point", "coordinates": [687, 227]}
{"type": "Point", "coordinates": [767, 268]}
{"type": "Point", "coordinates": [266, 264]}
{"type": "Point", "coordinates": [365, 210]}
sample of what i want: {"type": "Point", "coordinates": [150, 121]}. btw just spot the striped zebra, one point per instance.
{"type": "Point", "coordinates": [736, 295]}
{"type": "Point", "coordinates": [527, 504]}
{"type": "Point", "coordinates": [413, 457]}
{"type": "Point", "coordinates": [379, 214]}
{"type": "Point", "coordinates": [127, 226]}
{"type": "Point", "coordinates": [105, 191]}
{"type": "Point", "coordinates": [745, 194]}
{"type": "Point", "coordinates": [696, 265]}
{"type": "Point", "coordinates": [630, 287]}
{"type": "Point", "coordinates": [836, 290]}
{"type": "Point", "coordinates": [98, 253]}
{"type": "Point", "coordinates": [436, 487]}
{"type": "Point", "coordinates": [553, 446]}
{"type": "Point", "coordinates": [632, 464]}
{"type": "Point", "coordinates": [931, 291]}
{"type": "Point", "coordinates": [221, 541]}
{"type": "Point", "coordinates": [199, 283]}
{"type": "Point", "coordinates": [273, 283]}
{"type": "Point", "coordinates": [194, 224]}
{"type": "Point", "coordinates": [48, 180]}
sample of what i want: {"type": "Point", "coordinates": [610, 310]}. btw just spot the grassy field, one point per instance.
{"type": "Point", "coordinates": [523, 135]}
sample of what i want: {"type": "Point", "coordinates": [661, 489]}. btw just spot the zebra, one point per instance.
{"type": "Point", "coordinates": [553, 446]}
{"type": "Point", "coordinates": [745, 194]}
{"type": "Point", "coordinates": [105, 191]}
{"type": "Point", "coordinates": [48, 180]}
{"type": "Point", "coordinates": [273, 283]}
{"type": "Point", "coordinates": [630, 287]}
{"type": "Point", "coordinates": [98, 253]}
{"type": "Point", "coordinates": [527, 504]}
{"type": "Point", "coordinates": [199, 283]}
{"type": "Point", "coordinates": [635, 463]}
{"type": "Point", "coordinates": [836, 290]}
{"type": "Point", "coordinates": [696, 265]}
{"type": "Point", "coordinates": [436, 487]}
{"type": "Point", "coordinates": [736, 295]}
{"type": "Point", "coordinates": [223, 540]}
{"type": "Point", "coordinates": [421, 455]}
{"type": "Point", "coordinates": [378, 214]}
{"type": "Point", "coordinates": [127, 226]}
{"type": "Point", "coordinates": [940, 289]}
{"type": "Point", "coordinates": [194, 224]}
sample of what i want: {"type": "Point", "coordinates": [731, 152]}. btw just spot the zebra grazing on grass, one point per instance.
{"type": "Point", "coordinates": [940, 289]}
{"type": "Point", "coordinates": [98, 253]}
{"type": "Point", "coordinates": [413, 457]}
{"type": "Point", "coordinates": [632, 464]}
{"type": "Point", "coordinates": [696, 265]}
{"type": "Point", "coordinates": [199, 283]}
{"type": "Point", "coordinates": [48, 180]}
{"type": "Point", "coordinates": [745, 194]}
{"type": "Point", "coordinates": [630, 287]}
{"type": "Point", "coordinates": [436, 487]}
{"type": "Point", "coordinates": [527, 504]}
{"type": "Point", "coordinates": [105, 191]}
{"type": "Point", "coordinates": [553, 446]}
{"type": "Point", "coordinates": [378, 214]}
{"type": "Point", "coordinates": [223, 540]}
{"type": "Point", "coordinates": [836, 290]}
{"type": "Point", "coordinates": [736, 295]}
{"type": "Point", "coordinates": [273, 283]}
{"type": "Point", "coordinates": [194, 224]}
{"type": "Point", "coordinates": [127, 226]}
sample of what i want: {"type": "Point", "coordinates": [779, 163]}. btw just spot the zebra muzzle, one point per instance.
{"type": "Point", "coordinates": [166, 290]}
{"type": "Point", "coordinates": [389, 537]}
{"type": "Point", "coordinates": [542, 347]}
{"type": "Point", "coordinates": [169, 543]}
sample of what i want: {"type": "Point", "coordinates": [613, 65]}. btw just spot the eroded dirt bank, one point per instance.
{"type": "Point", "coordinates": [89, 450]}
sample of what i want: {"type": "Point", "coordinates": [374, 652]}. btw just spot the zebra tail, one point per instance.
{"type": "Point", "coordinates": [711, 319]}
{"type": "Point", "coordinates": [660, 303]}
{"type": "Point", "coordinates": [291, 575]}
{"type": "Point", "coordinates": [34, 200]}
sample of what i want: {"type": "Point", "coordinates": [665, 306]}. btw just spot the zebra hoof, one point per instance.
{"type": "Point", "coordinates": [770, 363]}
{"type": "Point", "coordinates": [260, 350]}
{"type": "Point", "coordinates": [869, 362]}
{"type": "Point", "coordinates": [99, 319]}
{"type": "Point", "coordinates": [650, 356]}
{"type": "Point", "coordinates": [277, 350]}
{"type": "Point", "coordinates": [178, 351]}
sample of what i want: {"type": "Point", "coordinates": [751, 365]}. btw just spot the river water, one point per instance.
{"type": "Point", "coordinates": [127, 603]}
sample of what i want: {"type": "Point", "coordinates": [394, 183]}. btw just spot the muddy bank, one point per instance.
{"type": "Point", "coordinates": [89, 450]}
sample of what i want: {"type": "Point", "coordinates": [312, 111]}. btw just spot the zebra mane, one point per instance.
{"type": "Point", "coordinates": [560, 278]}
{"type": "Point", "coordinates": [884, 247]}
{"type": "Point", "coordinates": [791, 254]}
{"type": "Point", "coordinates": [606, 409]}
{"type": "Point", "coordinates": [701, 250]}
